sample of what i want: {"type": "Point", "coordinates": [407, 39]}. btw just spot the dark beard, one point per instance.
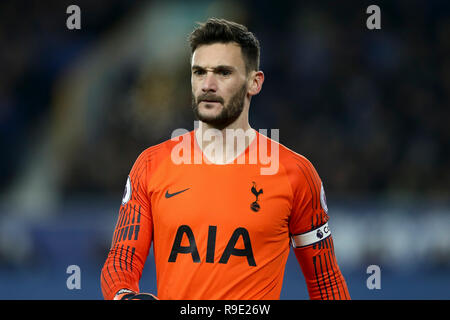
{"type": "Point", "coordinates": [229, 113]}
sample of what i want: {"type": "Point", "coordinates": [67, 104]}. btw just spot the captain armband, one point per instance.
{"type": "Point", "coordinates": [311, 237]}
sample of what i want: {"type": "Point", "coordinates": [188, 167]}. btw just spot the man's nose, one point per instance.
{"type": "Point", "coordinates": [209, 82]}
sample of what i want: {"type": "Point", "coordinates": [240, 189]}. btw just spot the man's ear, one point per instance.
{"type": "Point", "coordinates": [256, 80]}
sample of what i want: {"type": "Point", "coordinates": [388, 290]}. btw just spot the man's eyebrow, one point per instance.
{"type": "Point", "coordinates": [224, 67]}
{"type": "Point", "coordinates": [219, 67]}
{"type": "Point", "coordinates": [196, 67]}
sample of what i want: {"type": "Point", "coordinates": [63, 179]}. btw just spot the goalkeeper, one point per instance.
{"type": "Point", "coordinates": [221, 229]}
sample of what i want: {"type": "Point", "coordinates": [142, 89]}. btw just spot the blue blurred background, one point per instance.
{"type": "Point", "coordinates": [370, 109]}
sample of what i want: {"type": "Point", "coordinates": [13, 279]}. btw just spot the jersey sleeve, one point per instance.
{"type": "Point", "coordinates": [311, 235]}
{"type": "Point", "coordinates": [132, 236]}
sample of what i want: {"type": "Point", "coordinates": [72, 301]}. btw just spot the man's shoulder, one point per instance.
{"type": "Point", "coordinates": [287, 156]}
{"type": "Point", "coordinates": [299, 170]}
{"type": "Point", "coordinates": [163, 150]}
{"type": "Point", "coordinates": [297, 167]}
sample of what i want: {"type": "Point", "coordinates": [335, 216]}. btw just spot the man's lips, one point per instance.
{"type": "Point", "coordinates": [210, 101]}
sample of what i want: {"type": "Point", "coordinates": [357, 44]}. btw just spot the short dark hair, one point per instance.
{"type": "Point", "coordinates": [216, 30]}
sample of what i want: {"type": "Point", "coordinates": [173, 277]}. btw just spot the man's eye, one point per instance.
{"type": "Point", "coordinates": [199, 72]}
{"type": "Point", "coordinates": [225, 72]}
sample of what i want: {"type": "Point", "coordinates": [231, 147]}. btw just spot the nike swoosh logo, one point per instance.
{"type": "Point", "coordinates": [170, 195]}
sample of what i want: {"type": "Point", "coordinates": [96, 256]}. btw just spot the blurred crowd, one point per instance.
{"type": "Point", "coordinates": [369, 108]}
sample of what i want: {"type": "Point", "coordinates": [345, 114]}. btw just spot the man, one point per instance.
{"type": "Point", "coordinates": [220, 227]}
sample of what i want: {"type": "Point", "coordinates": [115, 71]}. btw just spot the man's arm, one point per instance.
{"type": "Point", "coordinates": [132, 235]}
{"type": "Point", "coordinates": [311, 234]}
{"type": "Point", "coordinates": [323, 277]}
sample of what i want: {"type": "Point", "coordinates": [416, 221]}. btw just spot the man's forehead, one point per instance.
{"type": "Point", "coordinates": [213, 55]}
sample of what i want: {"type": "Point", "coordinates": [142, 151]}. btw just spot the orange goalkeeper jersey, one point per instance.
{"type": "Point", "coordinates": [222, 231]}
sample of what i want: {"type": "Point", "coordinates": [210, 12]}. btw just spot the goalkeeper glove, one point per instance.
{"type": "Point", "coordinates": [125, 294]}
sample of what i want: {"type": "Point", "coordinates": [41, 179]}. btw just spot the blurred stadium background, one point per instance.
{"type": "Point", "coordinates": [370, 109]}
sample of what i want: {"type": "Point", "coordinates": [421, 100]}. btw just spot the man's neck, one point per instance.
{"type": "Point", "coordinates": [225, 145]}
